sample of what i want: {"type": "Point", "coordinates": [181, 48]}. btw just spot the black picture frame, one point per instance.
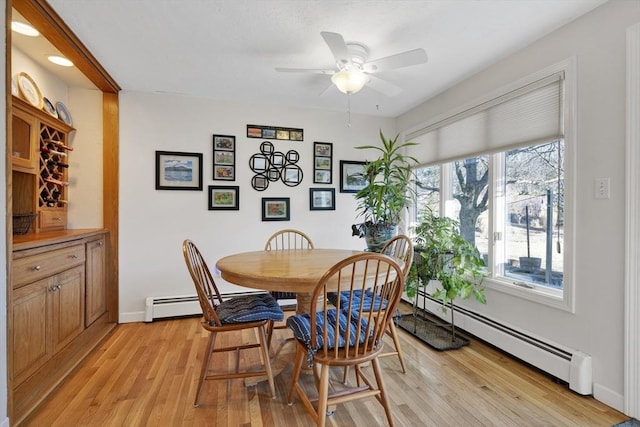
{"type": "Point", "coordinates": [322, 199]}
{"type": "Point", "coordinates": [224, 197]}
{"type": "Point", "coordinates": [224, 158]}
{"type": "Point", "coordinates": [322, 162]}
{"type": "Point", "coordinates": [276, 209]}
{"type": "Point", "coordinates": [178, 170]}
{"type": "Point", "coordinates": [275, 132]}
{"type": "Point", "coordinates": [352, 176]}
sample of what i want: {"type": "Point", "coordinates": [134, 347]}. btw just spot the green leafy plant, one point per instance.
{"type": "Point", "coordinates": [442, 255]}
{"type": "Point", "coordinates": [388, 190]}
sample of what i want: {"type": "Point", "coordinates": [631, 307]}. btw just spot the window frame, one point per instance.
{"type": "Point", "coordinates": [560, 299]}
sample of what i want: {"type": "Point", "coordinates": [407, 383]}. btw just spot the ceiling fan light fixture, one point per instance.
{"type": "Point", "coordinates": [349, 81]}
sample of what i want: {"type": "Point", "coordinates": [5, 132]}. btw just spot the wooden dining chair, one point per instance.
{"type": "Point", "coordinates": [346, 335]}
{"type": "Point", "coordinates": [400, 248]}
{"type": "Point", "coordinates": [287, 239]}
{"type": "Point", "coordinates": [257, 311]}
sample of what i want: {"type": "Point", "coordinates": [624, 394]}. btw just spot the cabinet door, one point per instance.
{"type": "Point", "coordinates": [67, 307]}
{"type": "Point", "coordinates": [95, 284]}
{"type": "Point", "coordinates": [29, 343]}
{"type": "Point", "coordinates": [24, 142]}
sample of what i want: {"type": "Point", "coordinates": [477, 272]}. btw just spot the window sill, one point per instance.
{"type": "Point", "coordinates": [559, 299]}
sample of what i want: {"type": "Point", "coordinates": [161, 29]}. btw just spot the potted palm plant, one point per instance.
{"type": "Point", "coordinates": [442, 255]}
{"type": "Point", "coordinates": [387, 193]}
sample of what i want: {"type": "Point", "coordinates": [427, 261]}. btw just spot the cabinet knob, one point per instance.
{"type": "Point", "coordinates": [55, 288]}
{"type": "Point", "coordinates": [74, 256]}
{"type": "Point", "coordinates": [57, 218]}
{"type": "Point", "coordinates": [36, 268]}
{"type": "Point", "coordinates": [99, 243]}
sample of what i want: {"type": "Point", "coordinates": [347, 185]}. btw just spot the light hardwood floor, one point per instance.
{"type": "Point", "coordinates": [145, 374]}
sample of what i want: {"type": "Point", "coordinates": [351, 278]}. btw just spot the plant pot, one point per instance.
{"type": "Point", "coordinates": [377, 235]}
{"type": "Point", "coordinates": [530, 264]}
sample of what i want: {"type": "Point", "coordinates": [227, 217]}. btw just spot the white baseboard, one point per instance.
{"type": "Point", "coordinates": [608, 397]}
{"type": "Point", "coordinates": [5, 423]}
{"type": "Point", "coordinates": [132, 317]}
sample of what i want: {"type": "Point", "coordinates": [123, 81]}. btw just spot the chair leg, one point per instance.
{"type": "Point", "coordinates": [383, 395]}
{"type": "Point", "coordinates": [297, 367]}
{"type": "Point", "coordinates": [269, 332]}
{"type": "Point", "coordinates": [205, 367]}
{"type": "Point", "coordinates": [323, 395]}
{"type": "Point", "coordinates": [345, 373]}
{"type": "Point", "coordinates": [396, 342]}
{"type": "Point", "coordinates": [264, 348]}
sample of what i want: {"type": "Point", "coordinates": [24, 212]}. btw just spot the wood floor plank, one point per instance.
{"type": "Point", "coordinates": [145, 374]}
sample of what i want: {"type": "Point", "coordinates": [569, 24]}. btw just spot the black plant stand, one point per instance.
{"type": "Point", "coordinates": [437, 335]}
{"type": "Point", "coordinates": [429, 328]}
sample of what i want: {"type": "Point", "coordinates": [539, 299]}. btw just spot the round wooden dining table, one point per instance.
{"type": "Point", "coordinates": [282, 270]}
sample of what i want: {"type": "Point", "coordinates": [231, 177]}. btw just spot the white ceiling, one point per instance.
{"type": "Point", "coordinates": [228, 49]}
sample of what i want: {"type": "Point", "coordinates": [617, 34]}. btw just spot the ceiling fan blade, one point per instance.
{"type": "Point", "coordinates": [338, 46]}
{"type": "Point", "coordinates": [305, 70]}
{"type": "Point", "coordinates": [400, 60]}
{"type": "Point", "coordinates": [382, 86]}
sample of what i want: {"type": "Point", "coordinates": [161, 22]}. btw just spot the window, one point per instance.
{"type": "Point", "coordinates": [508, 192]}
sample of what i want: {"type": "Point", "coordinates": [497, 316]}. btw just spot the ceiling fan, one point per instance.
{"type": "Point", "coordinates": [353, 69]}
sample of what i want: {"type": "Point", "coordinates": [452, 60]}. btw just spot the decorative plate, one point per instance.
{"type": "Point", "coordinates": [49, 108]}
{"type": "Point", "coordinates": [14, 88]}
{"type": "Point", "coordinates": [29, 90]}
{"type": "Point", "coordinates": [63, 113]}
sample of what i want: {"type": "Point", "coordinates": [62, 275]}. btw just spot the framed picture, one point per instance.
{"type": "Point", "coordinates": [224, 197]}
{"type": "Point", "coordinates": [177, 170]}
{"type": "Point", "coordinates": [322, 162]}
{"type": "Point", "coordinates": [291, 175]}
{"type": "Point", "coordinates": [225, 173]}
{"type": "Point", "coordinates": [224, 157]}
{"type": "Point", "coordinates": [352, 177]}
{"type": "Point", "coordinates": [224, 143]}
{"type": "Point", "coordinates": [275, 132]}
{"type": "Point", "coordinates": [322, 199]}
{"type": "Point", "coordinates": [275, 209]}
{"type": "Point", "coordinates": [322, 177]}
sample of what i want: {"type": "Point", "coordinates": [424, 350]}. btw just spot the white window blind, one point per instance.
{"type": "Point", "coordinates": [528, 115]}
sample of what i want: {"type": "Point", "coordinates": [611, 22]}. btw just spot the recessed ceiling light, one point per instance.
{"type": "Point", "coordinates": [24, 29]}
{"type": "Point", "coordinates": [60, 60]}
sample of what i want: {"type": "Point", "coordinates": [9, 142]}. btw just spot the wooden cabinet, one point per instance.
{"type": "Point", "coordinates": [24, 142]}
{"type": "Point", "coordinates": [95, 287]}
{"type": "Point", "coordinates": [40, 166]}
{"type": "Point", "coordinates": [58, 309]}
{"type": "Point", "coordinates": [29, 336]}
{"type": "Point", "coordinates": [47, 315]}
{"type": "Point", "coordinates": [67, 307]}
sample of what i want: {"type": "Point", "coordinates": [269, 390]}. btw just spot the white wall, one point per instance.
{"type": "Point", "coordinates": [597, 40]}
{"type": "Point", "coordinates": [85, 161]}
{"type": "Point", "coordinates": [153, 223]}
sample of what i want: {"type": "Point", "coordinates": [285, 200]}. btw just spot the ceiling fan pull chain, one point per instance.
{"type": "Point", "coordinates": [349, 109]}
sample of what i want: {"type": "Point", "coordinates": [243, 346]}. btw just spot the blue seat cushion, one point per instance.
{"type": "Point", "coordinates": [301, 326]}
{"type": "Point", "coordinates": [249, 308]}
{"type": "Point", "coordinates": [357, 296]}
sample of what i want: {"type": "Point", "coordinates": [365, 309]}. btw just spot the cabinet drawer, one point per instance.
{"type": "Point", "coordinates": [53, 219]}
{"type": "Point", "coordinates": [29, 269]}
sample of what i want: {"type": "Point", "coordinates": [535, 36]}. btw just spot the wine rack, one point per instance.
{"type": "Point", "coordinates": [54, 158]}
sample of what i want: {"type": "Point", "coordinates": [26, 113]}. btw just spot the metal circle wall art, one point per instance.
{"type": "Point", "coordinates": [270, 166]}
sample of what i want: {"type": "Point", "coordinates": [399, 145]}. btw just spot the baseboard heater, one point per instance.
{"type": "Point", "coordinates": [177, 306]}
{"type": "Point", "coordinates": [568, 365]}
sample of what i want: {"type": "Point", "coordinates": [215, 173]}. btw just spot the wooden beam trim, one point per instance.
{"type": "Point", "coordinates": [40, 14]}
